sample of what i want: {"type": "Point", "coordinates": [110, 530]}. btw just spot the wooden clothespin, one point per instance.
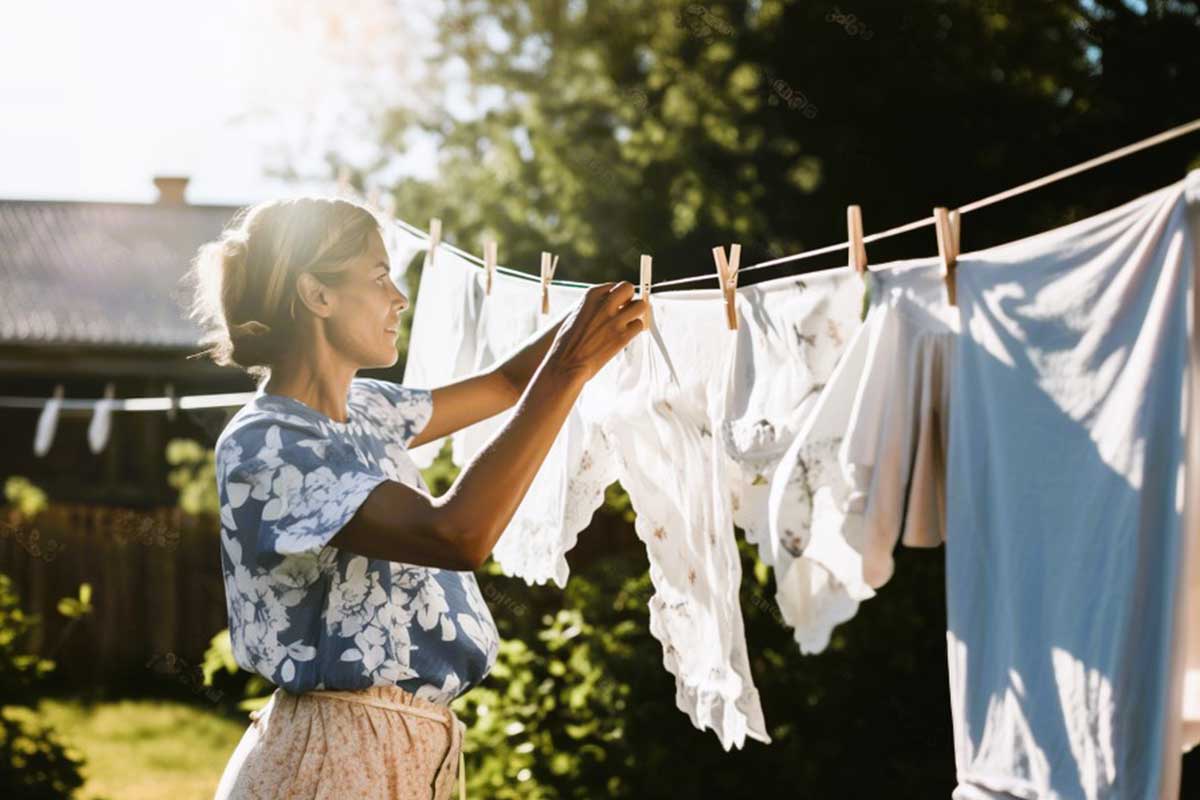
{"type": "Point", "coordinates": [858, 250]}
{"type": "Point", "coordinates": [489, 262]}
{"type": "Point", "coordinates": [645, 281]}
{"type": "Point", "coordinates": [172, 402]}
{"type": "Point", "coordinates": [548, 267]}
{"type": "Point", "coordinates": [374, 198]}
{"type": "Point", "coordinates": [727, 269]}
{"type": "Point", "coordinates": [947, 225]}
{"type": "Point", "coordinates": [435, 238]}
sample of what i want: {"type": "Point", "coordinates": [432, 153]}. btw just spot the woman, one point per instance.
{"type": "Point", "coordinates": [347, 585]}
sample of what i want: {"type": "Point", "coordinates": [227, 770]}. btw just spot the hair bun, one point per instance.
{"type": "Point", "coordinates": [233, 249]}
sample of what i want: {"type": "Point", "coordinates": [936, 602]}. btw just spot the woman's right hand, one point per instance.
{"type": "Point", "coordinates": [599, 327]}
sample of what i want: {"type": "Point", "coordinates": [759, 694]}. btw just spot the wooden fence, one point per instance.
{"type": "Point", "coordinates": [156, 584]}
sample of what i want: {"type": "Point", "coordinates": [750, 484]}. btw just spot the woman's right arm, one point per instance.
{"type": "Point", "coordinates": [459, 529]}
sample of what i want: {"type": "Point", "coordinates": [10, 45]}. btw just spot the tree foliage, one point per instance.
{"type": "Point", "coordinates": [601, 130]}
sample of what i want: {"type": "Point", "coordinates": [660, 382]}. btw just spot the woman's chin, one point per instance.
{"type": "Point", "coordinates": [390, 359]}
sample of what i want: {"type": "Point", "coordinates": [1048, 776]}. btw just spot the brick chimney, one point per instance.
{"type": "Point", "coordinates": [171, 190]}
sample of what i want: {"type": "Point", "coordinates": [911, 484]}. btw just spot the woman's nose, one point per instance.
{"type": "Point", "coordinates": [401, 298]}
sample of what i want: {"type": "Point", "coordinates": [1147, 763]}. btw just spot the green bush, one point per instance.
{"type": "Point", "coordinates": [34, 764]}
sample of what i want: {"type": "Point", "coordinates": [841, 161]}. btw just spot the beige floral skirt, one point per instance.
{"type": "Point", "coordinates": [377, 743]}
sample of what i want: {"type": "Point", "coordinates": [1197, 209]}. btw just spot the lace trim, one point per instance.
{"type": "Point", "coordinates": [725, 700]}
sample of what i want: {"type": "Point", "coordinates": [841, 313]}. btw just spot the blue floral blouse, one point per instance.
{"type": "Point", "coordinates": [306, 615]}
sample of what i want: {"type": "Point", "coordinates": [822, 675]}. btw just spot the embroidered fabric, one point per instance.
{"type": "Point", "coordinates": [791, 335]}
{"type": "Point", "coordinates": [659, 402]}
{"type": "Point", "coordinates": [865, 471]}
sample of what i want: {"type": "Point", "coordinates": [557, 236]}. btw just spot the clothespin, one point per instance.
{"type": "Point", "coordinates": [645, 281]}
{"type": "Point", "coordinates": [435, 238]}
{"type": "Point", "coordinates": [858, 250]}
{"type": "Point", "coordinates": [43, 435]}
{"type": "Point", "coordinates": [172, 403]}
{"type": "Point", "coordinates": [548, 267]}
{"type": "Point", "coordinates": [373, 198]}
{"type": "Point", "coordinates": [947, 225]}
{"type": "Point", "coordinates": [727, 269]}
{"type": "Point", "coordinates": [101, 422]}
{"type": "Point", "coordinates": [389, 205]}
{"type": "Point", "coordinates": [489, 262]}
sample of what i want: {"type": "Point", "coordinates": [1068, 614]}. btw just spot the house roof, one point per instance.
{"type": "Point", "coordinates": [100, 273]}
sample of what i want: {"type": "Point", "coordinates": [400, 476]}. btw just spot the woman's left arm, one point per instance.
{"type": "Point", "coordinates": [462, 403]}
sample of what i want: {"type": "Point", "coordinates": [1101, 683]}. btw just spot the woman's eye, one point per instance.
{"type": "Point", "coordinates": [380, 279]}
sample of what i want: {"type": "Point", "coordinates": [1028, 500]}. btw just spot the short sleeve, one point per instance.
{"type": "Point", "coordinates": [284, 491]}
{"type": "Point", "coordinates": [407, 408]}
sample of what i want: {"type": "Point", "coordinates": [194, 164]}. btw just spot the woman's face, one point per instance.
{"type": "Point", "coordinates": [366, 321]}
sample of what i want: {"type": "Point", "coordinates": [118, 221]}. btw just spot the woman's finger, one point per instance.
{"type": "Point", "coordinates": [634, 309]}
{"type": "Point", "coordinates": [617, 297]}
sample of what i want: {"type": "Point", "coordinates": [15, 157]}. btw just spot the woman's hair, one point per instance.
{"type": "Point", "coordinates": [243, 283]}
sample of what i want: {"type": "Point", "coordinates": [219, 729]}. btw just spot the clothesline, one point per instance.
{"type": "Point", "coordinates": [975, 205]}
{"type": "Point", "coordinates": [1046, 180]}
{"type": "Point", "coordinates": [474, 259]}
{"type": "Point", "coordinates": [240, 398]}
{"type": "Point", "coordinates": [137, 403]}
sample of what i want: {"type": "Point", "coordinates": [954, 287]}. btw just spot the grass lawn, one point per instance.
{"type": "Point", "coordinates": [145, 749]}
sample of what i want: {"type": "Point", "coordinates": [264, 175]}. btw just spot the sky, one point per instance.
{"type": "Point", "coordinates": [98, 98]}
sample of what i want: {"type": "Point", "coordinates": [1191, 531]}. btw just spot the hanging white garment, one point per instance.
{"type": "Point", "coordinates": [570, 483]}
{"type": "Point", "coordinates": [660, 430]}
{"type": "Point", "coordinates": [460, 330]}
{"type": "Point", "coordinates": [696, 416]}
{"type": "Point", "coordinates": [503, 321]}
{"type": "Point", "coordinates": [1067, 551]}
{"type": "Point", "coordinates": [402, 247]}
{"type": "Point", "coordinates": [790, 336]}
{"type": "Point", "coordinates": [101, 422]}
{"type": "Point", "coordinates": [442, 340]}
{"type": "Point", "coordinates": [866, 470]}
{"type": "Point", "coordinates": [47, 423]}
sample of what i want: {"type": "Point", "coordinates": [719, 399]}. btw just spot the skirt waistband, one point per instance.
{"type": "Point", "coordinates": [393, 698]}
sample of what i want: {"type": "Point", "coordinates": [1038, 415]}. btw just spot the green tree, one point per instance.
{"type": "Point", "coordinates": [606, 129]}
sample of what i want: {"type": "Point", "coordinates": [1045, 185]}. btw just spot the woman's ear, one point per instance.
{"type": "Point", "coordinates": [314, 294]}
